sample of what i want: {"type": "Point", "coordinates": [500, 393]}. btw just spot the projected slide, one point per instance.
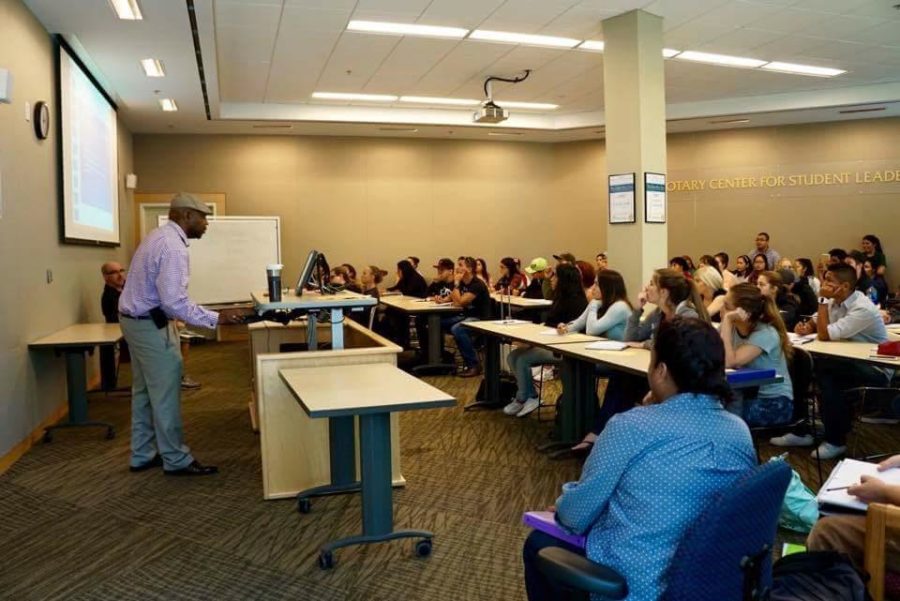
{"type": "Point", "coordinates": [89, 158]}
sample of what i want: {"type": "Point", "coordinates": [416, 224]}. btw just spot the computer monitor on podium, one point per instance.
{"type": "Point", "coordinates": [306, 273]}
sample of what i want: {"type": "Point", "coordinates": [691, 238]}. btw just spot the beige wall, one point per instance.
{"type": "Point", "coordinates": [33, 384]}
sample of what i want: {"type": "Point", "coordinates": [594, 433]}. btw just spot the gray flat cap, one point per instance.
{"type": "Point", "coordinates": [183, 200]}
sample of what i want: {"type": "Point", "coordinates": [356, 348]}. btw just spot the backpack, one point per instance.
{"type": "Point", "coordinates": [508, 388]}
{"type": "Point", "coordinates": [817, 576]}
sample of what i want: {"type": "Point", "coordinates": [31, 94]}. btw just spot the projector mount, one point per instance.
{"type": "Point", "coordinates": [490, 111]}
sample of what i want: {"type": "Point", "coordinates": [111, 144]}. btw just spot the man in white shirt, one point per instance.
{"type": "Point", "coordinates": [763, 248]}
{"type": "Point", "coordinates": [844, 314]}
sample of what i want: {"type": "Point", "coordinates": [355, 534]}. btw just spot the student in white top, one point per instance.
{"type": "Point", "coordinates": [711, 286]}
{"type": "Point", "coordinates": [844, 314]}
{"type": "Point", "coordinates": [728, 278]}
{"type": "Point", "coordinates": [608, 311]}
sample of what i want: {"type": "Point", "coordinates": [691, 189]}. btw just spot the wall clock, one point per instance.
{"type": "Point", "coordinates": [41, 120]}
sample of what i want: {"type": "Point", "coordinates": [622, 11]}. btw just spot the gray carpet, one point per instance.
{"type": "Point", "coordinates": [75, 524]}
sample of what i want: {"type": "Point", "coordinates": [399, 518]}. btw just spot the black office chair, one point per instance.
{"type": "Point", "coordinates": [802, 371]}
{"type": "Point", "coordinates": [725, 555]}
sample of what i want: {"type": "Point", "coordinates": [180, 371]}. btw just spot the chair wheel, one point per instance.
{"type": "Point", "coordinates": [326, 560]}
{"type": "Point", "coordinates": [110, 434]}
{"type": "Point", "coordinates": [47, 437]}
{"type": "Point", "coordinates": [423, 548]}
{"type": "Point", "coordinates": [304, 505]}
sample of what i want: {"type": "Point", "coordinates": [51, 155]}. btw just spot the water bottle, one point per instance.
{"type": "Point", "coordinates": [273, 275]}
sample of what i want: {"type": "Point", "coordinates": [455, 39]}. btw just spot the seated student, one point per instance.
{"type": "Point", "coordinates": [807, 286]}
{"type": "Point", "coordinates": [872, 249]}
{"type": "Point", "coordinates": [784, 263]}
{"type": "Point", "coordinates": [341, 277]}
{"type": "Point", "coordinates": [409, 283]}
{"type": "Point", "coordinates": [843, 314]}
{"type": "Point", "coordinates": [878, 288]}
{"type": "Point", "coordinates": [371, 277]}
{"type": "Point", "coordinates": [847, 533]}
{"type": "Point", "coordinates": [511, 281]}
{"type": "Point", "coordinates": [601, 261]}
{"type": "Point", "coordinates": [855, 259]}
{"type": "Point", "coordinates": [835, 256]}
{"type": "Point", "coordinates": [439, 289]}
{"type": "Point", "coordinates": [353, 284]}
{"type": "Point", "coordinates": [568, 303]}
{"type": "Point", "coordinates": [772, 285]}
{"type": "Point", "coordinates": [655, 469]}
{"type": "Point", "coordinates": [711, 287]}
{"type": "Point", "coordinates": [680, 265]}
{"type": "Point", "coordinates": [760, 264]}
{"type": "Point", "coordinates": [728, 278]}
{"type": "Point", "coordinates": [588, 277]}
{"type": "Point", "coordinates": [481, 272]}
{"type": "Point", "coordinates": [743, 268]}
{"type": "Point", "coordinates": [472, 296]}
{"type": "Point", "coordinates": [540, 272]}
{"type": "Point", "coordinates": [608, 311]}
{"type": "Point", "coordinates": [754, 336]}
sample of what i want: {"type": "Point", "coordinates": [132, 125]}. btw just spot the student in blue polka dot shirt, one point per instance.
{"type": "Point", "coordinates": [655, 468]}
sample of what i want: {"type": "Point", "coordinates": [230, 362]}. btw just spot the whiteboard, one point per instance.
{"type": "Point", "coordinates": [230, 260]}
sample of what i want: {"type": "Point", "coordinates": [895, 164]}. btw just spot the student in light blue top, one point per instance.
{"type": "Point", "coordinates": [754, 336]}
{"type": "Point", "coordinates": [844, 314]}
{"type": "Point", "coordinates": [607, 314]}
{"type": "Point", "coordinates": [654, 469]}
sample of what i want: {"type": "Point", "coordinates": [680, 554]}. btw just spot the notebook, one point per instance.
{"type": "Point", "coordinates": [797, 339]}
{"type": "Point", "coordinates": [846, 473]}
{"type": "Point", "coordinates": [606, 345]}
{"type": "Point", "coordinates": [545, 521]}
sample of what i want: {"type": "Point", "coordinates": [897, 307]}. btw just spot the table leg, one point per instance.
{"type": "Point", "coordinates": [565, 407]}
{"type": "Point", "coordinates": [492, 398]}
{"type": "Point", "coordinates": [377, 502]}
{"type": "Point", "coordinates": [76, 389]}
{"type": "Point", "coordinates": [311, 334]}
{"type": "Point", "coordinates": [435, 357]}
{"type": "Point", "coordinates": [342, 453]}
{"type": "Point", "coordinates": [337, 328]}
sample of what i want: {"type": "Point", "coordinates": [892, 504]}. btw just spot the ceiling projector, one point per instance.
{"type": "Point", "coordinates": [490, 111]}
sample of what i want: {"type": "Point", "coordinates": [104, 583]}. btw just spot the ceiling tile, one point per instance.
{"type": "Point", "coordinates": [297, 63]}
{"type": "Point", "coordinates": [355, 59]}
{"type": "Point", "coordinates": [790, 20]}
{"type": "Point", "coordinates": [258, 15]}
{"type": "Point", "coordinates": [741, 41]}
{"type": "Point", "coordinates": [407, 63]}
{"type": "Point", "coordinates": [523, 16]}
{"type": "Point", "coordinates": [464, 62]}
{"type": "Point", "coordinates": [677, 12]}
{"type": "Point", "coordinates": [459, 13]}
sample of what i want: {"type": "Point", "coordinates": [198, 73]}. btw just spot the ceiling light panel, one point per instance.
{"type": "Point", "coordinates": [441, 101]}
{"type": "Point", "coordinates": [592, 45]}
{"type": "Point", "coordinates": [411, 29]}
{"type": "Point", "coordinates": [525, 39]}
{"type": "Point", "coordinates": [351, 97]}
{"type": "Point", "coordinates": [153, 68]}
{"type": "Point", "coordinates": [670, 52]}
{"type": "Point", "coordinates": [528, 106]}
{"type": "Point", "coordinates": [802, 69]}
{"type": "Point", "coordinates": [720, 59]}
{"type": "Point", "coordinates": [168, 105]}
{"type": "Point", "coordinates": [127, 10]}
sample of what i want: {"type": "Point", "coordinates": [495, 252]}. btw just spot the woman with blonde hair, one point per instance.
{"type": "Point", "coordinates": [711, 287]}
{"type": "Point", "coordinates": [754, 336]}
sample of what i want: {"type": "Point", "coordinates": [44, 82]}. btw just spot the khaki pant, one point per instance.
{"type": "Point", "coordinates": [847, 534]}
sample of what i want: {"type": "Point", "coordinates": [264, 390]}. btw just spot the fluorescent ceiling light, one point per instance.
{"type": "Point", "coordinates": [720, 59]}
{"type": "Point", "coordinates": [168, 105]}
{"type": "Point", "coordinates": [533, 106]}
{"type": "Point", "coordinates": [345, 96]}
{"type": "Point", "coordinates": [504, 133]}
{"type": "Point", "coordinates": [153, 68]}
{"type": "Point", "coordinates": [402, 129]}
{"type": "Point", "coordinates": [431, 31]}
{"type": "Point", "coordinates": [670, 52]}
{"type": "Point", "coordinates": [594, 45]}
{"type": "Point", "coordinates": [128, 10]}
{"type": "Point", "coordinates": [730, 121]}
{"type": "Point", "coordinates": [802, 69]}
{"type": "Point", "coordinates": [523, 38]}
{"type": "Point", "coordinates": [437, 100]}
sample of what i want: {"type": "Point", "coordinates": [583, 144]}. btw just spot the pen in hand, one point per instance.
{"type": "Point", "coordinates": [838, 488]}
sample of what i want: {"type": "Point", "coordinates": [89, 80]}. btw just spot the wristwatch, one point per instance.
{"type": "Point", "coordinates": [823, 300]}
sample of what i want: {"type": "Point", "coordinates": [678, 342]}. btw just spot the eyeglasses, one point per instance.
{"type": "Point", "coordinates": [115, 271]}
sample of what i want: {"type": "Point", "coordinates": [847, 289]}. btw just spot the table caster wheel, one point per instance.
{"type": "Point", "coordinates": [423, 548]}
{"type": "Point", "coordinates": [326, 560]}
{"type": "Point", "coordinates": [110, 434]}
{"type": "Point", "coordinates": [304, 505]}
{"type": "Point", "coordinates": [47, 437]}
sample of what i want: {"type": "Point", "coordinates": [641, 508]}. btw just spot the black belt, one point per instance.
{"type": "Point", "coordinates": [140, 318]}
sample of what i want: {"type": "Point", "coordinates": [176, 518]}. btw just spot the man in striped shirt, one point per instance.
{"type": "Point", "coordinates": [155, 295]}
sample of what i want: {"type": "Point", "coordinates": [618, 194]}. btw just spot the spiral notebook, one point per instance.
{"type": "Point", "coordinates": [846, 473]}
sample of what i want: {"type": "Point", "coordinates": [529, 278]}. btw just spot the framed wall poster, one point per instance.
{"type": "Point", "coordinates": [621, 198]}
{"type": "Point", "coordinates": [654, 197]}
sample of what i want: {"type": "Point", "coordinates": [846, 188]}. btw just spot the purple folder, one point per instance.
{"type": "Point", "coordinates": [546, 523]}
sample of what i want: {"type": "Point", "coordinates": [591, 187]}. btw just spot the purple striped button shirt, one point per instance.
{"type": "Point", "coordinates": [158, 277]}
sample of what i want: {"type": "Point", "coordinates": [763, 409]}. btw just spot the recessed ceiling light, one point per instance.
{"type": "Point", "coordinates": [430, 31]}
{"type": "Point", "coordinates": [593, 45]}
{"type": "Point", "coordinates": [153, 67]}
{"type": "Point", "coordinates": [504, 133]}
{"type": "Point", "coordinates": [128, 10]}
{"type": "Point", "coordinates": [523, 38]}
{"type": "Point", "coordinates": [720, 59]}
{"type": "Point", "coordinates": [411, 130]}
{"type": "Point", "coordinates": [438, 100]}
{"type": "Point", "coordinates": [729, 121]}
{"type": "Point", "coordinates": [168, 105]}
{"type": "Point", "coordinates": [528, 106]}
{"type": "Point", "coordinates": [802, 69]}
{"type": "Point", "coordinates": [670, 52]}
{"type": "Point", "coordinates": [345, 96]}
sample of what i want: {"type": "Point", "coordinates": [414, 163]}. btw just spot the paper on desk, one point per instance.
{"type": "Point", "coordinates": [847, 473]}
{"type": "Point", "coordinates": [893, 327]}
{"type": "Point", "coordinates": [606, 345]}
{"type": "Point", "coordinates": [549, 332]}
{"type": "Point", "coordinates": [510, 322]}
{"type": "Point", "coordinates": [797, 339]}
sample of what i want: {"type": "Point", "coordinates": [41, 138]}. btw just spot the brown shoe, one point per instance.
{"type": "Point", "coordinates": [470, 372]}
